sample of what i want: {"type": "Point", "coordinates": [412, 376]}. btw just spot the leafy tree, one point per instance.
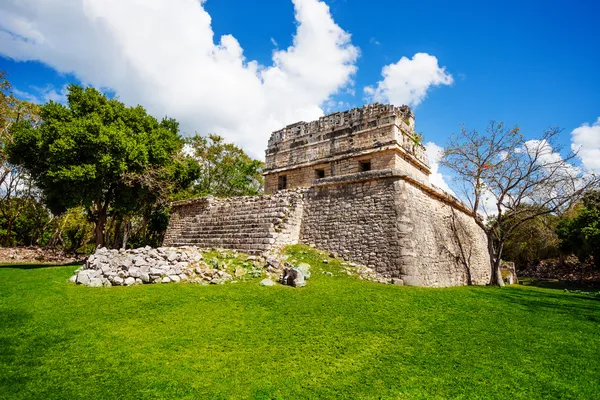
{"type": "Point", "coordinates": [532, 241]}
{"type": "Point", "coordinates": [500, 172]}
{"type": "Point", "coordinates": [225, 169]}
{"type": "Point", "coordinates": [93, 152]}
{"type": "Point", "coordinates": [16, 192]}
{"type": "Point", "coordinates": [581, 235]}
{"type": "Point", "coordinates": [32, 226]}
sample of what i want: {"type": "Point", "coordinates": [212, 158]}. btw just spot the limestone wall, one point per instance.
{"type": "Point", "coordinates": [391, 157]}
{"type": "Point", "coordinates": [252, 224]}
{"type": "Point", "coordinates": [355, 220]}
{"type": "Point", "coordinates": [397, 227]}
{"type": "Point", "coordinates": [439, 245]}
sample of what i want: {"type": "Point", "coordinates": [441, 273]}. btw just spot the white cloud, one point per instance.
{"type": "Point", "coordinates": [434, 154]}
{"type": "Point", "coordinates": [41, 95]}
{"type": "Point", "coordinates": [408, 81]}
{"type": "Point", "coordinates": [586, 141]}
{"type": "Point", "coordinates": [162, 54]}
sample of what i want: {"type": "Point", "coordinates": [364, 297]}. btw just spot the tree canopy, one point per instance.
{"type": "Point", "coordinates": [225, 169]}
{"type": "Point", "coordinates": [96, 152]}
{"type": "Point", "coordinates": [580, 235]}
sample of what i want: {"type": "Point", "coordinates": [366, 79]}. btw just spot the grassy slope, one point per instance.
{"type": "Point", "coordinates": [337, 338]}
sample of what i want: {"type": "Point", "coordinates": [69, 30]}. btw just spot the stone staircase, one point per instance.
{"type": "Point", "coordinates": [251, 224]}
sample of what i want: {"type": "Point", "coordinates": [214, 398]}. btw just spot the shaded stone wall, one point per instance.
{"type": "Point", "coordinates": [397, 226]}
{"type": "Point", "coordinates": [439, 244]}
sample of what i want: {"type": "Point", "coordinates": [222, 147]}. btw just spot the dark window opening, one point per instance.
{"type": "Point", "coordinates": [319, 173]}
{"type": "Point", "coordinates": [364, 166]}
{"type": "Point", "coordinates": [282, 182]}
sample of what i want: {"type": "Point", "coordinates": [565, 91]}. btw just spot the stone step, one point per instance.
{"type": "Point", "coordinates": [229, 235]}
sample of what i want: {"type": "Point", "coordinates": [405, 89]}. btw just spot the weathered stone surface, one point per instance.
{"type": "Point", "coordinates": [292, 277]}
{"type": "Point", "coordinates": [267, 282]}
{"type": "Point", "coordinates": [135, 272]}
{"type": "Point", "coordinates": [305, 269]}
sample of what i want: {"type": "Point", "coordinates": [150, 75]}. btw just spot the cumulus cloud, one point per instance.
{"type": "Point", "coordinates": [163, 54]}
{"type": "Point", "coordinates": [41, 95]}
{"type": "Point", "coordinates": [408, 80]}
{"type": "Point", "coordinates": [434, 154]}
{"type": "Point", "coordinates": [586, 142]}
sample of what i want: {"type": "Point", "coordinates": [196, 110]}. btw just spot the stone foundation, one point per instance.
{"type": "Point", "coordinates": [385, 219]}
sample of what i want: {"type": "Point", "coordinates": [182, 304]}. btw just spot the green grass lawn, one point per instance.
{"type": "Point", "coordinates": [339, 337]}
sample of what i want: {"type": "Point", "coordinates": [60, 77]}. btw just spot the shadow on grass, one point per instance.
{"type": "Point", "coordinates": [561, 285]}
{"type": "Point", "coordinates": [37, 265]}
{"type": "Point", "coordinates": [577, 305]}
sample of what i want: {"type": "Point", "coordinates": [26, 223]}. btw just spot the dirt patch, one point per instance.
{"type": "Point", "coordinates": [37, 255]}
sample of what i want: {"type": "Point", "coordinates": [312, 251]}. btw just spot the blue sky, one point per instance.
{"type": "Point", "coordinates": [531, 63]}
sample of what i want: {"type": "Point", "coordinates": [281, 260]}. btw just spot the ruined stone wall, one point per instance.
{"type": "Point", "coordinates": [439, 245]}
{"type": "Point", "coordinates": [305, 177]}
{"type": "Point", "coordinates": [355, 220]}
{"type": "Point", "coordinates": [383, 218]}
{"type": "Point", "coordinates": [397, 227]}
{"type": "Point", "coordinates": [252, 224]}
{"type": "Point", "coordinates": [342, 142]}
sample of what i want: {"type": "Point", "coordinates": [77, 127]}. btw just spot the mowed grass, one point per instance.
{"type": "Point", "coordinates": [339, 337]}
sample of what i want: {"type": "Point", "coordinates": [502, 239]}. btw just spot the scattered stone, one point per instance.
{"type": "Point", "coordinates": [95, 282]}
{"type": "Point", "coordinates": [267, 282]}
{"type": "Point", "coordinates": [305, 269]}
{"type": "Point", "coordinates": [169, 265]}
{"type": "Point", "coordinates": [292, 277]}
{"type": "Point", "coordinates": [397, 282]}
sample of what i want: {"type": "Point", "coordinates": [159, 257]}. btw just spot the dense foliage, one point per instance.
{"type": "Point", "coordinates": [580, 235]}
{"type": "Point", "coordinates": [225, 169]}
{"type": "Point", "coordinates": [98, 153]}
{"type": "Point", "coordinates": [534, 240]}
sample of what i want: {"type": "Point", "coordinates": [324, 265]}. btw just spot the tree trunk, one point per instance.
{"type": "Point", "coordinates": [99, 230]}
{"type": "Point", "coordinates": [115, 244]}
{"type": "Point", "coordinates": [9, 224]}
{"type": "Point", "coordinates": [126, 233]}
{"type": "Point", "coordinates": [496, 274]}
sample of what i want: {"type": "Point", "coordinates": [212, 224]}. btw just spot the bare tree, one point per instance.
{"type": "Point", "coordinates": [508, 180]}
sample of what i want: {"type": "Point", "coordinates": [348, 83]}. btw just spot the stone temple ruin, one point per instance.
{"type": "Point", "coordinates": [355, 183]}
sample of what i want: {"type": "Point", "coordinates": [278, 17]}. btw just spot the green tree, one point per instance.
{"type": "Point", "coordinates": [225, 169]}
{"type": "Point", "coordinates": [580, 235]}
{"type": "Point", "coordinates": [532, 241]}
{"type": "Point", "coordinates": [94, 152]}
{"type": "Point", "coordinates": [32, 225]}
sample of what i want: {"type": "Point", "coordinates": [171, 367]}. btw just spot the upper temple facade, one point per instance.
{"type": "Point", "coordinates": [373, 137]}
